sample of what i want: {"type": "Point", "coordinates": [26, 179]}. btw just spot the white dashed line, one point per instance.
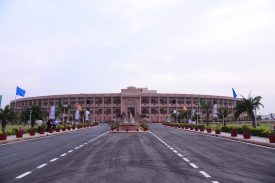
{"type": "Point", "coordinates": [85, 143]}
{"type": "Point", "coordinates": [23, 175]}
{"type": "Point", "coordinates": [40, 166]}
{"type": "Point", "coordinates": [175, 151]}
{"type": "Point", "coordinates": [215, 182]}
{"type": "Point", "coordinates": [53, 159]}
{"type": "Point", "coordinates": [80, 145]}
{"type": "Point", "coordinates": [185, 159]}
{"type": "Point", "coordinates": [70, 151]}
{"type": "Point", "coordinates": [63, 154]}
{"type": "Point", "coordinates": [76, 148]}
{"type": "Point", "coordinates": [180, 155]}
{"type": "Point", "coordinates": [193, 165]}
{"type": "Point", "coordinates": [205, 174]}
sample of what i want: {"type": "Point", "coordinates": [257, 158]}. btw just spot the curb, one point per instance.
{"type": "Point", "coordinates": [249, 141]}
{"type": "Point", "coordinates": [47, 134]}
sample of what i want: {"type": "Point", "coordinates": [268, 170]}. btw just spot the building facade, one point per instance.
{"type": "Point", "coordinates": [158, 107]}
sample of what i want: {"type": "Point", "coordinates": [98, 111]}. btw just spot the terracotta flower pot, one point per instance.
{"type": "Point", "coordinates": [246, 135]}
{"type": "Point", "coordinates": [272, 138]}
{"type": "Point", "coordinates": [42, 131]}
{"type": "Point", "coordinates": [201, 129]}
{"type": "Point", "coordinates": [191, 128]}
{"type": "Point", "coordinates": [3, 136]}
{"type": "Point", "coordinates": [234, 133]}
{"type": "Point", "coordinates": [19, 135]}
{"type": "Point", "coordinates": [209, 130]}
{"type": "Point", "coordinates": [196, 129]}
{"type": "Point", "coordinates": [57, 130]}
{"type": "Point", "coordinates": [50, 130]}
{"type": "Point", "coordinates": [32, 132]}
{"type": "Point", "coordinates": [73, 127]}
{"type": "Point", "coordinates": [63, 129]}
{"type": "Point", "coordinates": [68, 128]}
{"type": "Point", "coordinates": [218, 131]}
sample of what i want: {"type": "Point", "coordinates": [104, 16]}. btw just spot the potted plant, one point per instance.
{"type": "Point", "coordinates": [272, 137]}
{"type": "Point", "coordinates": [196, 128]}
{"type": "Point", "coordinates": [217, 129]}
{"type": "Point", "coordinates": [209, 130]}
{"type": "Point", "coordinates": [73, 127]}
{"type": "Point", "coordinates": [19, 133]}
{"type": "Point", "coordinates": [51, 129]}
{"type": "Point", "coordinates": [63, 127]}
{"type": "Point", "coordinates": [202, 129]}
{"type": "Point", "coordinates": [234, 132]}
{"type": "Point", "coordinates": [191, 127]}
{"type": "Point", "coordinates": [3, 135]}
{"type": "Point", "coordinates": [41, 129]}
{"type": "Point", "coordinates": [69, 127]}
{"type": "Point", "coordinates": [32, 131]}
{"type": "Point", "coordinates": [145, 127]}
{"type": "Point", "coordinates": [246, 132]}
{"type": "Point", "coordinates": [58, 128]}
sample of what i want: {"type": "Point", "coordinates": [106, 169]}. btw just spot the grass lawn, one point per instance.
{"type": "Point", "coordinates": [263, 125]}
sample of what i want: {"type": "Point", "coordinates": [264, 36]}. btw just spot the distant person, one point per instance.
{"type": "Point", "coordinates": [87, 113]}
{"type": "Point", "coordinates": [76, 117]}
{"type": "Point", "coordinates": [49, 124]}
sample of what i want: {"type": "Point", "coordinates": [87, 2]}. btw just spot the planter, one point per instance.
{"type": "Point", "coordinates": [57, 130]}
{"type": "Point", "coordinates": [73, 127]}
{"type": "Point", "coordinates": [272, 138]}
{"type": "Point", "coordinates": [234, 133]}
{"type": "Point", "coordinates": [41, 131]}
{"type": "Point", "coordinates": [3, 136]}
{"type": "Point", "coordinates": [186, 127]}
{"type": "Point", "coordinates": [218, 131]}
{"type": "Point", "coordinates": [63, 129]}
{"type": "Point", "coordinates": [246, 135]}
{"type": "Point", "coordinates": [68, 128]}
{"type": "Point", "coordinates": [191, 128]}
{"type": "Point", "coordinates": [19, 135]}
{"type": "Point", "coordinates": [201, 129]}
{"type": "Point", "coordinates": [117, 129]}
{"type": "Point", "coordinates": [209, 130]}
{"type": "Point", "coordinates": [32, 132]}
{"type": "Point", "coordinates": [196, 129]}
{"type": "Point", "coordinates": [50, 130]}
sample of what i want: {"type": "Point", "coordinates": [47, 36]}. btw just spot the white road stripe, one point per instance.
{"type": "Point", "coordinates": [76, 148]}
{"type": "Point", "coordinates": [185, 159]}
{"type": "Point", "coordinates": [63, 154]}
{"type": "Point", "coordinates": [175, 151]}
{"type": "Point", "coordinates": [205, 174]}
{"type": "Point", "coordinates": [40, 166]}
{"type": "Point", "coordinates": [215, 182]}
{"type": "Point", "coordinates": [70, 151]}
{"type": "Point", "coordinates": [53, 159]}
{"type": "Point", "coordinates": [85, 143]}
{"type": "Point", "coordinates": [80, 145]}
{"type": "Point", "coordinates": [180, 155]}
{"type": "Point", "coordinates": [23, 175]}
{"type": "Point", "coordinates": [193, 165]}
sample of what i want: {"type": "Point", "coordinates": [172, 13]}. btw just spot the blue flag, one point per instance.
{"type": "Point", "coordinates": [234, 93]}
{"type": "Point", "coordinates": [20, 92]}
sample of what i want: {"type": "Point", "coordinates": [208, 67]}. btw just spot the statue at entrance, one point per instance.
{"type": "Point", "coordinates": [131, 119]}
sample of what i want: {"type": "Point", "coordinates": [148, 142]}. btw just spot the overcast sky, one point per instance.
{"type": "Point", "coordinates": [173, 46]}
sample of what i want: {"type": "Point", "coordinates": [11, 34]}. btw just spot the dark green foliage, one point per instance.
{"type": "Point", "coordinates": [7, 115]}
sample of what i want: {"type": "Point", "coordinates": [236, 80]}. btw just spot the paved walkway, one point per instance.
{"type": "Point", "coordinates": [26, 136]}
{"type": "Point", "coordinates": [264, 141]}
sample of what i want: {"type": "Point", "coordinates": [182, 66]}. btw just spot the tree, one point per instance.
{"type": "Point", "coordinates": [223, 113]}
{"type": "Point", "coordinates": [206, 106]}
{"type": "Point", "coordinates": [37, 114]}
{"type": "Point", "coordinates": [7, 115]}
{"type": "Point", "coordinates": [248, 105]}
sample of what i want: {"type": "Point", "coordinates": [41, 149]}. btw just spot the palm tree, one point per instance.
{"type": "Point", "coordinates": [223, 113]}
{"type": "Point", "coordinates": [206, 106]}
{"type": "Point", "coordinates": [248, 105]}
{"type": "Point", "coordinates": [7, 115]}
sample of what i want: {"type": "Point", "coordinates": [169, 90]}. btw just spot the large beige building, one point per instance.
{"type": "Point", "coordinates": [106, 106]}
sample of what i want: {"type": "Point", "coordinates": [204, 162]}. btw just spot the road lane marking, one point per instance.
{"type": "Point", "coordinates": [76, 148]}
{"type": "Point", "coordinates": [52, 160]}
{"type": "Point", "coordinates": [215, 182]}
{"type": "Point", "coordinates": [63, 154]}
{"type": "Point", "coordinates": [185, 159]}
{"type": "Point", "coordinates": [193, 165]}
{"type": "Point", "coordinates": [85, 143]}
{"type": "Point", "coordinates": [80, 145]}
{"type": "Point", "coordinates": [205, 174]}
{"type": "Point", "coordinates": [180, 155]}
{"type": "Point", "coordinates": [70, 151]}
{"type": "Point", "coordinates": [23, 175]}
{"type": "Point", "coordinates": [175, 151]}
{"type": "Point", "coordinates": [40, 166]}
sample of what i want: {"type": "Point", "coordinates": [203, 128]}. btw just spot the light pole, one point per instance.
{"type": "Point", "coordinates": [222, 117]}
{"type": "Point", "coordinates": [30, 117]}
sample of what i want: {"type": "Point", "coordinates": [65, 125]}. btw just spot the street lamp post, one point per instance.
{"type": "Point", "coordinates": [222, 117]}
{"type": "Point", "coordinates": [30, 117]}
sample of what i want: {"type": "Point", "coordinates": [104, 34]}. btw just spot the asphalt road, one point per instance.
{"type": "Point", "coordinates": [165, 155]}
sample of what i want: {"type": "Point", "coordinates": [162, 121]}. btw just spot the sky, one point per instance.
{"type": "Point", "coordinates": [50, 47]}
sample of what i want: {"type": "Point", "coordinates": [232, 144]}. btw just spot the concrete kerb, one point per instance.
{"type": "Point", "coordinates": [249, 141]}
{"type": "Point", "coordinates": [37, 135]}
